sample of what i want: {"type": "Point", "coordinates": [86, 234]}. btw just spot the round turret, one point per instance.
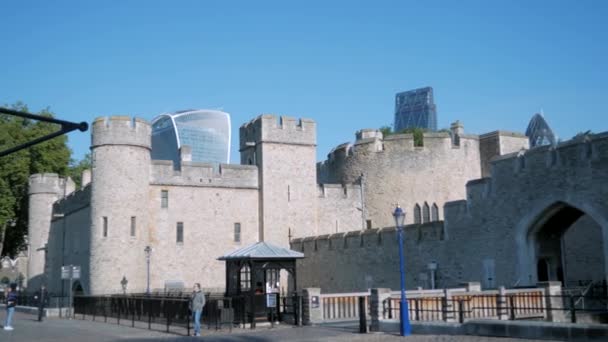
{"type": "Point", "coordinates": [119, 204]}
{"type": "Point", "coordinates": [43, 190]}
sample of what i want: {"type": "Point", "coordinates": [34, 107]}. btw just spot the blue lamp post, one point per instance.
{"type": "Point", "coordinates": [404, 315]}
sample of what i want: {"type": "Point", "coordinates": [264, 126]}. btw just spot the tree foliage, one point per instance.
{"type": "Point", "coordinates": [52, 156]}
{"type": "Point", "coordinates": [417, 132]}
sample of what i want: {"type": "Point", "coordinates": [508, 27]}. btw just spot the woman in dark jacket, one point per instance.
{"type": "Point", "coordinates": [11, 302]}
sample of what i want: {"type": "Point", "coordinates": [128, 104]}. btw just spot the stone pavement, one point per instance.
{"type": "Point", "coordinates": [27, 329]}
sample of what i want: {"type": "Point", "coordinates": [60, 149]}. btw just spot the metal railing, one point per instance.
{"type": "Point", "coordinates": [516, 305]}
{"type": "Point", "coordinates": [167, 313]}
{"type": "Point", "coordinates": [343, 306]}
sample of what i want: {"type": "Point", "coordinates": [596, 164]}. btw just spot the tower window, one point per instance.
{"type": "Point", "coordinates": [435, 212]}
{"type": "Point", "coordinates": [180, 232]}
{"type": "Point", "coordinates": [417, 215]}
{"type": "Point", "coordinates": [426, 216]}
{"type": "Point", "coordinates": [237, 232]}
{"type": "Point", "coordinates": [133, 225]}
{"type": "Point", "coordinates": [164, 198]}
{"type": "Point", "coordinates": [105, 226]}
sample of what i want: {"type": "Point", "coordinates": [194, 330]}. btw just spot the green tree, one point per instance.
{"type": "Point", "coordinates": [51, 156]}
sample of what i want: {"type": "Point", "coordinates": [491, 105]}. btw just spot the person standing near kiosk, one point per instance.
{"type": "Point", "coordinates": [42, 297]}
{"type": "Point", "coordinates": [197, 302]}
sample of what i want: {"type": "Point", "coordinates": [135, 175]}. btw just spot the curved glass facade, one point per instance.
{"type": "Point", "coordinates": [207, 132]}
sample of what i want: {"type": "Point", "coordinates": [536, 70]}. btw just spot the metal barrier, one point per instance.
{"type": "Point", "coordinates": [171, 314]}
{"type": "Point", "coordinates": [343, 306]}
{"type": "Point", "coordinates": [516, 305]}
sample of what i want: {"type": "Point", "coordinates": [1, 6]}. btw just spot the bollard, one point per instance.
{"type": "Point", "coordinates": [362, 316]}
{"type": "Point", "coordinates": [572, 309]}
{"type": "Point", "coordinates": [512, 311]}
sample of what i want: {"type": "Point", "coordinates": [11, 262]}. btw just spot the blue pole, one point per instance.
{"type": "Point", "coordinates": [405, 327]}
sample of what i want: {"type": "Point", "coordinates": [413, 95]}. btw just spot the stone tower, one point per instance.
{"type": "Point", "coordinates": [44, 190]}
{"type": "Point", "coordinates": [119, 204]}
{"type": "Point", "coordinates": [285, 153]}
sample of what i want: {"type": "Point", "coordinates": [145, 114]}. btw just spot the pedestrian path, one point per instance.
{"type": "Point", "coordinates": [28, 329]}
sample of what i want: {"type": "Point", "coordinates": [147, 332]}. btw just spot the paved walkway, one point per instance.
{"type": "Point", "coordinates": [28, 329]}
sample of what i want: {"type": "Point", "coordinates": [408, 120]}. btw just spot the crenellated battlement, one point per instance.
{"type": "Point", "coordinates": [284, 129]}
{"type": "Point", "coordinates": [432, 231]}
{"type": "Point", "coordinates": [371, 142]}
{"type": "Point", "coordinates": [204, 175]}
{"type": "Point", "coordinates": [121, 130]}
{"type": "Point", "coordinates": [50, 183]}
{"type": "Point", "coordinates": [338, 191]}
{"type": "Point", "coordinates": [535, 163]}
{"type": "Point", "coordinates": [75, 201]}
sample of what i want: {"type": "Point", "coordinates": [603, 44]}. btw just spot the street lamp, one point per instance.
{"type": "Point", "coordinates": [148, 250]}
{"type": "Point", "coordinates": [404, 325]}
{"type": "Point", "coordinates": [124, 283]}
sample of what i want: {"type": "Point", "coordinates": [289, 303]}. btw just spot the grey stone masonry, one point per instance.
{"type": "Point", "coordinates": [378, 296]}
{"type": "Point", "coordinates": [311, 313]}
{"type": "Point", "coordinates": [554, 302]}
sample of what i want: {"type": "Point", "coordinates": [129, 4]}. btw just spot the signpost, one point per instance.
{"type": "Point", "coordinates": [71, 273]}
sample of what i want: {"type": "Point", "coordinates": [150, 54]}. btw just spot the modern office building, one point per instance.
{"type": "Point", "coordinates": [415, 109]}
{"type": "Point", "coordinates": [539, 132]}
{"type": "Point", "coordinates": [207, 132]}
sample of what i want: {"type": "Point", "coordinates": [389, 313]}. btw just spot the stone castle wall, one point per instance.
{"type": "Point", "coordinates": [395, 171]}
{"type": "Point", "coordinates": [285, 152]}
{"type": "Point", "coordinates": [490, 236]}
{"type": "Point", "coordinates": [339, 208]}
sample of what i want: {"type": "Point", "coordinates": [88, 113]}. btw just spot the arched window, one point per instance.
{"type": "Point", "coordinates": [426, 215]}
{"type": "Point", "coordinates": [417, 216]}
{"type": "Point", "coordinates": [435, 212]}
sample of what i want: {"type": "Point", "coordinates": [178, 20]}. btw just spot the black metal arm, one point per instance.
{"type": "Point", "coordinates": [66, 127]}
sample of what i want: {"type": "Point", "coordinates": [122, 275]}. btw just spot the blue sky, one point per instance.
{"type": "Point", "coordinates": [492, 64]}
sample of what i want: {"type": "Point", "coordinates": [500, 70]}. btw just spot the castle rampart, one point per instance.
{"type": "Point", "coordinates": [356, 261]}
{"type": "Point", "coordinates": [44, 190]}
{"type": "Point", "coordinates": [121, 130]}
{"type": "Point", "coordinates": [339, 208]}
{"type": "Point", "coordinates": [289, 130]}
{"type": "Point", "coordinates": [394, 170]}
{"type": "Point", "coordinates": [204, 175]}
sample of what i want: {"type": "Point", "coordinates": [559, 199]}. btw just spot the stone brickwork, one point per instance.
{"type": "Point", "coordinates": [396, 171]}
{"type": "Point", "coordinates": [490, 237]}
{"type": "Point", "coordinates": [483, 229]}
{"type": "Point", "coordinates": [339, 208]}
{"type": "Point", "coordinates": [44, 190]}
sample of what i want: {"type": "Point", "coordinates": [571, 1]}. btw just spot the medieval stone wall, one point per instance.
{"type": "Point", "coordinates": [396, 171]}
{"type": "Point", "coordinates": [491, 236]}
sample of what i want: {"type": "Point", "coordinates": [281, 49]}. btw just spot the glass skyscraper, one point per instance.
{"type": "Point", "coordinates": [539, 132]}
{"type": "Point", "coordinates": [207, 132]}
{"type": "Point", "coordinates": [415, 109]}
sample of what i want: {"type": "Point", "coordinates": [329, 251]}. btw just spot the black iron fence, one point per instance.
{"type": "Point", "coordinates": [519, 306]}
{"type": "Point", "coordinates": [51, 301]}
{"type": "Point", "coordinates": [167, 313]}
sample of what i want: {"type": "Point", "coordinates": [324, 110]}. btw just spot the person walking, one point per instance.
{"type": "Point", "coordinates": [11, 302]}
{"type": "Point", "coordinates": [197, 302]}
{"type": "Point", "coordinates": [42, 297]}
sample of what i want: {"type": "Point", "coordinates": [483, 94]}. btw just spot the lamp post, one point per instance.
{"type": "Point", "coordinates": [404, 323]}
{"type": "Point", "coordinates": [124, 283]}
{"type": "Point", "coordinates": [148, 250]}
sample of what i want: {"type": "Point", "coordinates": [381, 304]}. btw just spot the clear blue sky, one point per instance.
{"type": "Point", "coordinates": [492, 64]}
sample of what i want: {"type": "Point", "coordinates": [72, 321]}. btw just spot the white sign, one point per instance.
{"type": "Point", "coordinates": [271, 300]}
{"type": "Point", "coordinates": [70, 271]}
{"type": "Point", "coordinates": [65, 272]}
{"type": "Point", "coordinates": [76, 272]}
